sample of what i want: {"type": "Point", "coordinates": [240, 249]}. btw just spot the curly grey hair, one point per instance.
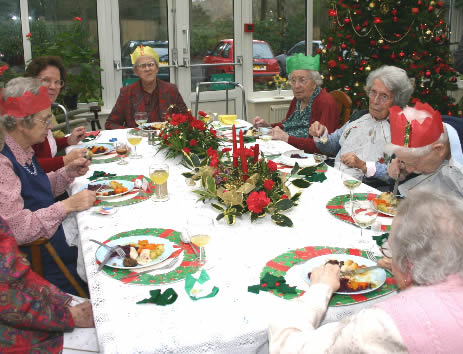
{"type": "Point", "coordinates": [314, 75]}
{"type": "Point", "coordinates": [396, 80]}
{"type": "Point", "coordinates": [427, 240]}
{"type": "Point", "coordinates": [16, 88]}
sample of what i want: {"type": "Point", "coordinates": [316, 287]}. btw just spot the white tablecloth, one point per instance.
{"type": "Point", "coordinates": [234, 321]}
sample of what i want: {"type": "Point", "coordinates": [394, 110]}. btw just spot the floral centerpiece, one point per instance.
{"type": "Point", "coordinates": [186, 134]}
{"type": "Point", "coordinates": [244, 182]}
{"type": "Point", "coordinates": [279, 83]}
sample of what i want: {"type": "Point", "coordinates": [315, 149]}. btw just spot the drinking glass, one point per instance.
{"type": "Point", "coordinates": [141, 118]}
{"type": "Point", "coordinates": [159, 173]}
{"type": "Point", "coordinates": [350, 183]}
{"type": "Point", "coordinates": [364, 216]}
{"type": "Point", "coordinates": [122, 149]}
{"type": "Point", "coordinates": [199, 229]}
{"type": "Point", "coordinates": [134, 138]}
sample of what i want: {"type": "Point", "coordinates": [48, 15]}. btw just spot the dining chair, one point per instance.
{"type": "Point", "coordinates": [37, 266]}
{"type": "Point", "coordinates": [344, 103]}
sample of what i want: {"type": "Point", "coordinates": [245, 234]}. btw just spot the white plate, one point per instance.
{"type": "Point", "coordinates": [116, 262]}
{"type": "Point", "coordinates": [308, 161]}
{"type": "Point", "coordinates": [239, 123]}
{"type": "Point", "coordinates": [376, 276]}
{"type": "Point", "coordinates": [149, 124]}
{"type": "Point", "coordinates": [380, 211]}
{"type": "Point", "coordinates": [110, 148]}
{"type": "Point", "coordinates": [127, 184]}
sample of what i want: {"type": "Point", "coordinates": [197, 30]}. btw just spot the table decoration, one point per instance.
{"type": "Point", "coordinates": [168, 297]}
{"type": "Point", "coordinates": [188, 264]}
{"type": "Point", "coordinates": [248, 183]}
{"type": "Point", "coordinates": [280, 265]}
{"type": "Point", "coordinates": [90, 136]}
{"type": "Point", "coordinates": [335, 207]}
{"type": "Point", "coordinates": [200, 288]}
{"type": "Point", "coordinates": [137, 195]}
{"type": "Point", "coordinates": [100, 174]}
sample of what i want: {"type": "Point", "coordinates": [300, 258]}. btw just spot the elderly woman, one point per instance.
{"type": "Point", "coordinates": [426, 244]}
{"type": "Point", "coordinates": [149, 94]}
{"type": "Point", "coordinates": [359, 145]}
{"type": "Point", "coordinates": [310, 104]}
{"type": "Point", "coordinates": [52, 74]}
{"type": "Point", "coordinates": [33, 312]}
{"type": "Point", "coordinates": [26, 192]}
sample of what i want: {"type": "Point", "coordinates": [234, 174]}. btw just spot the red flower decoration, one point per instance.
{"type": "Point", "coordinates": [3, 69]}
{"type": "Point", "coordinates": [224, 150]}
{"type": "Point", "coordinates": [78, 19]}
{"type": "Point", "coordinates": [257, 201]}
{"type": "Point", "coordinates": [186, 150]}
{"type": "Point", "coordinates": [284, 196]}
{"type": "Point", "coordinates": [268, 184]}
{"type": "Point", "coordinates": [202, 113]}
{"type": "Point", "coordinates": [193, 142]}
{"type": "Point", "coordinates": [272, 166]}
{"type": "Point", "coordinates": [29, 35]}
{"type": "Point", "coordinates": [213, 132]}
{"type": "Point", "coordinates": [198, 124]}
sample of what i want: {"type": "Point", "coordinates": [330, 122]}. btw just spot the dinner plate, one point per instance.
{"type": "Point", "coordinates": [148, 126]}
{"type": "Point", "coordinates": [373, 205]}
{"type": "Point", "coordinates": [116, 262]}
{"type": "Point", "coordinates": [127, 184]}
{"type": "Point", "coordinates": [239, 123]}
{"type": "Point", "coordinates": [109, 147]}
{"type": "Point", "coordinates": [376, 276]}
{"type": "Point", "coordinates": [307, 161]}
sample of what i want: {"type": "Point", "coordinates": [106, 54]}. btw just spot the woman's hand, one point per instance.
{"type": "Point", "coordinates": [352, 160]}
{"type": "Point", "coordinates": [260, 122]}
{"type": "Point", "coordinates": [385, 263]}
{"type": "Point", "coordinates": [317, 129]}
{"type": "Point", "coordinates": [279, 134]}
{"type": "Point", "coordinates": [326, 274]}
{"type": "Point", "coordinates": [82, 315]}
{"type": "Point", "coordinates": [77, 167]}
{"type": "Point", "coordinates": [74, 154]}
{"type": "Point", "coordinates": [395, 169]}
{"type": "Point", "coordinates": [79, 201]}
{"type": "Point", "coordinates": [77, 135]}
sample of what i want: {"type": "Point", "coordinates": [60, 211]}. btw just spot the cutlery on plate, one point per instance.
{"type": "Point", "coordinates": [187, 239]}
{"type": "Point", "coordinates": [118, 249]}
{"type": "Point", "coordinates": [359, 270]}
{"type": "Point", "coordinates": [167, 266]}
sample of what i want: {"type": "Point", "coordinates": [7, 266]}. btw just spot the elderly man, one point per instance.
{"type": "Point", "coordinates": [149, 94]}
{"type": "Point", "coordinates": [424, 145]}
{"type": "Point", "coordinates": [359, 145]}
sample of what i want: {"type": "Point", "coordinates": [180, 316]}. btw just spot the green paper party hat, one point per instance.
{"type": "Point", "coordinates": [300, 61]}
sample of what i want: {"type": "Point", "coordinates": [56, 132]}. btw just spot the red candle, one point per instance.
{"type": "Point", "coordinates": [256, 153]}
{"type": "Point", "coordinates": [235, 148]}
{"type": "Point", "coordinates": [244, 165]}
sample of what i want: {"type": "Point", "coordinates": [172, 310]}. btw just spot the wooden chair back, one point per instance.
{"type": "Point", "coordinates": [36, 262]}
{"type": "Point", "coordinates": [344, 104]}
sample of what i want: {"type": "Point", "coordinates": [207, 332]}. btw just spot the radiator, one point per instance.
{"type": "Point", "coordinates": [278, 113]}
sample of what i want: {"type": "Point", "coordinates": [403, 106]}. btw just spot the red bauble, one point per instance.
{"type": "Point", "coordinates": [374, 56]}
{"type": "Point", "coordinates": [394, 12]}
{"type": "Point", "coordinates": [392, 56]}
{"type": "Point", "coordinates": [340, 59]}
{"type": "Point", "coordinates": [386, 47]}
{"type": "Point", "coordinates": [363, 62]}
{"type": "Point", "coordinates": [346, 88]}
{"type": "Point", "coordinates": [332, 13]}
{"type": "Point", "coordinates": [347, 20]}
{"type": "Point", "coordinates": [401, 54]}
{"type": "Point", "coordinates": [395, 19]}
{"type": "Point", "coordinates": [358, 28]}
{"type": "Point", "coordinates": [419, 2]}
{"type": "Point", "coordinates": [439, 4]}
{"type": "Point", "coordinates": [377, 20]}
{"type": "Point", "coordinates": [431, 8]}
{"type": "Point", "coordinates": [427, 73]}
{"type": "Point", "coordinates": [372, 43]}
{"type": "Point", "coordinates": [415, 10]}
{"type": "Point", "coordinates": [438, 59]}
{"type": "Point", "coordinates": [343, 46]}
{"type": "Point", "coordinates": [437, 39]}
{"type": "Point", "coordinates": [425, 53]}
{"type": "Point", "coordinates": [330, 39]}
{"type": "Point", "coordinates": [453, 79]}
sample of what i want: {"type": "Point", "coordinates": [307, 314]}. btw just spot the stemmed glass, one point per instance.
{"type": "Point", "coordinates": [350, 183]}
{"type": "Point", "coordinates": [141, 118]}
{"type": "Point", "coordinates": [122, 149]}
{"type": "Point", "coordinates": [199, 228]}
{"type": "Point", "coordinates": [159, 173]}
{"type": "Point", "coordinates": [364, 216]}
{"type": "Point", "coordinates": [134, 138]}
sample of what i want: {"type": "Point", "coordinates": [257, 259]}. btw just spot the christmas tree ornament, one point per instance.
{"type": "Point", "coordinates": [372, 5]}
{"type": "Point", "coordinates": [432, 3]}
{"type": "Point", "coordinates": [428, 73]}
{"type": "Point", "coordinates": [431, 8]}
{"type": "Point", "coordinates": [394, 12]}
{"type": "Point", "coordinates": [347, 20]}
{"type": "Point", "coordinates": [377, 20]}
{"type": "Point", "coordinates": [380, 41]}
{"type": "Point", "coordinates": [419, 2]}
{"type": "Point", "coordinates": [428, 32]}
{"type": "Point", "coordinates": [401, 54]}
{"type": "Point", "coordinates": [358, 28]}
{"type": "Point", "coordinates": [368, 68]}
{"type": "Point", "coordinates": [372, 43]}
{"type": "Point", "coordinates": [415, 10]}
{"type": "Point", "coordinates": [356, 84]}
{"type": "Point", "coordinates": [384, 8]}
{"type": "Point", "coordinates": [395, 19]}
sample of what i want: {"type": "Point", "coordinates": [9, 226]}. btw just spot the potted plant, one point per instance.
{"type": "Point", "coordinates": [79, 57]}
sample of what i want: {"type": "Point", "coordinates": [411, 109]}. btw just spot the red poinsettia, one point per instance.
{"type": "Point", "coordinates": [284, 196]}
{"type": "Point", "coordinates": [193, 142]}
{"type": "Point", "coordinates": [272, 166]}
{"type": "Point", "coordinates": [257, 201]}
{"type": "Point", "coordinates": [198, 124]}
{"type": "Point", "coordinates": [268, 184]}
{"type": "Point", "coordinates": [187, 150]}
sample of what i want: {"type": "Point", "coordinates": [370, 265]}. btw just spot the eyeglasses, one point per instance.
{"type": "Point", "coordinates": [386, 250]}
{"type": "Point", "coordinates": [302, 81]}
{"type": "Point", "coordinates": [382, 97]}
{"type": "Point", "coordinates": [47, 122]}
{"type": "Point", "coordinates": [146, 65]}
{"type": "Point", "coordinates": [46, 81]}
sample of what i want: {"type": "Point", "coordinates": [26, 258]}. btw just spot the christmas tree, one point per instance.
{"type": "Point", "coordinates": [410, 34]}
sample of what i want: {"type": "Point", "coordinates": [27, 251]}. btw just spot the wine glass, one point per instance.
{"type": "Point", "coordinates": [141, 118]}
{"type": "Point", "coordinates": [159, 173]}
{"type": "Point", "coordinates": [199, 229]}
{"type": "Point", "coordinates": [350, 183]}
{"type": "Point", "coordinates": [364, 216]}
{"type": "Point", "coordinates": [134, 138]}
{"type": "Point", "coordinates": [122, 149]}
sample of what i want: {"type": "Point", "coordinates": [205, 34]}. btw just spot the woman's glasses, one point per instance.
{"type": "Point", "coordinates": [382, 97]}
{"type": "Point", "coordinates": [146, 65]}
{"type": "Point", "coordinates": [46, 81]}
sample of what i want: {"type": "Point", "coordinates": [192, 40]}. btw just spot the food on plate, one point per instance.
{"type": "Point", "coordinates": [355, 282]}
{"type": "Point", "coordinates": [155, 126]}
{"type": "Point", "coordinates": [105, 190]}
{"type": "Point", "coordinates": [141, 253]}
{"type": "Point", "coordinates": [97, 149]}
{"type": "Point", "coordinates": [297, 156]}
{"type": "Point", "coordinates": [386, 203]}
{"type": "Point", "coordinates": [252, 132]}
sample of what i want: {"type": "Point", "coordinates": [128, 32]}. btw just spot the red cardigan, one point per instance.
{"type": "Point", "coordinates": [43, 154]}
{"type": "Point", "coordinates": [325, 110]}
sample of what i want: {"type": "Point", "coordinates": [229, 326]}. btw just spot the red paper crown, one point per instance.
{"type": "Point", "coordinates": [25, 105]}
{"type": "Point", "coordinates": [409, 132]}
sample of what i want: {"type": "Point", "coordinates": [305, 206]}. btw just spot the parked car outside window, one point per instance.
{"type": "Point", "coordinates": [297, 48]}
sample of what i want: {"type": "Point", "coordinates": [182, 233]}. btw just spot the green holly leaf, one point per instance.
{"type": "Point", "coordinates": [254, 217]}
{"type": "Point", "coordinates": [295, 169]}
{"type": "Point", "coordinates": [195, 160]}
{"type": "Point", "coordinates": [220, 216]}
{"type": "Point", "coordinates": [187, 174]}
{"type": "Point", "coordinates": [231, 219]}
{"type": "Point", "coordinates": [218, 207]}
{"type": "Point", "coordinates": [282, 220]}
{"type": "Point", "coordinates": [296, 197]}
{"type": "Point", "coordinates": [211, 185]}
{"type": "Point", "coordinates": [284, 204]}
{"type": "Point", "coordinates": [301, 183]}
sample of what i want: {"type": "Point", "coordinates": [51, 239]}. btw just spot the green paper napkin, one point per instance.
{"type": "Point", "coordinates": [316, 177]}
{"type": "Point", "coordinates": [271, 282]}
{"type": "Point", "coordinates": [168, 297]}
{"type": "Point", "coordinates": [99, 174]}
{"type": "Point", "coordinates": [380, 239]}
{"type": "Point", "coordinates": [200, 288]}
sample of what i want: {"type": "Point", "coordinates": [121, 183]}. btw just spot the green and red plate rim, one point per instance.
{"type": "Point", "coordinates": [335, 206]}
{"type": "Point", "coordinates": [281, 264]}
{"type": "Point", "coordinates": [140, 196]}
{"type": "Point", "coordinates": [188, 265]}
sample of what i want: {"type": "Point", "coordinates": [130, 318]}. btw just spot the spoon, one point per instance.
{"type": "Point", "coordinates": [185, 238]}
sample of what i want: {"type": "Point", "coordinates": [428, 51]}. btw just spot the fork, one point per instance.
{"type": "Point", "coordinates": [120, 252]}
{"type": "Point", "coordinates": [168, 265]}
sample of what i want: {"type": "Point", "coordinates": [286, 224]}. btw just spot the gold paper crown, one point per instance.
{"type": "Point", "coordinates": [300, 61]}
{"type": "Point", "coordinates": [144, 50]}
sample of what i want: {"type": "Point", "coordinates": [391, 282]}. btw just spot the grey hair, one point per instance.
{"type": "Point", "coordinates": [396, 81]}
{"type": "Point", "coordinates": [427, 242]}
{"type": "Point", "coordinates": [16, 88]}
{"type": "Point", "coordinates": [314, 75]}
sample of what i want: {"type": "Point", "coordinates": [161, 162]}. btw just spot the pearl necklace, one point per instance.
{"type": "Point", "coordinates": [33, 172]}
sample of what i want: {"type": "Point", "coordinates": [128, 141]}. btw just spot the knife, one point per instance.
{"type": "Point", "coordinates": [106, 258]}
{"type": "Point", "coordinates": [101, 243]}
{"type": "Point", "coordinates": [359, 270]}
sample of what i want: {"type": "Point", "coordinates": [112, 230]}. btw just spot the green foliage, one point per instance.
{"type": "Point", "coordinates": [368, 34]}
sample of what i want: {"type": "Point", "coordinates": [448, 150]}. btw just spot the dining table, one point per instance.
{"type": "Point", "coordinates": [235, 320]}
